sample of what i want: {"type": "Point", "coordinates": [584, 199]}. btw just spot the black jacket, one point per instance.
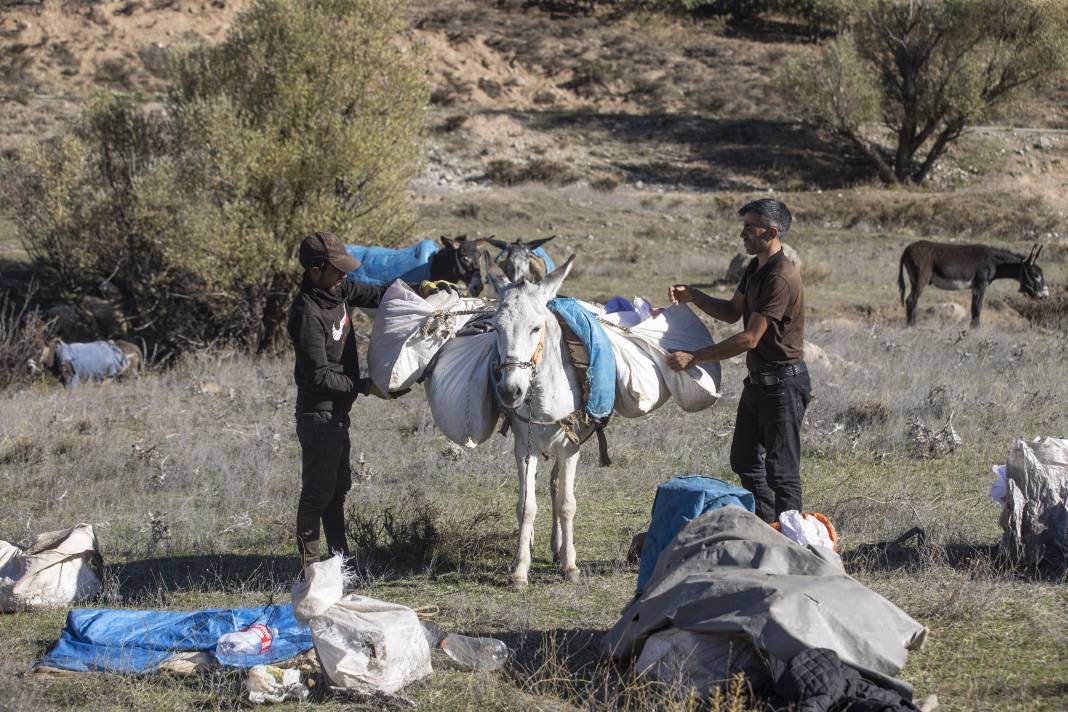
{"type": "Point", "coordinates": [327, 369]}
{"type": "Point", "coordinates": [816, 680]}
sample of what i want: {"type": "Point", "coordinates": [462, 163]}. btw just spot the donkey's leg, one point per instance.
{"type": "Point", "coordinates": [978, 290]}
{"type": "Point", "coordinates": [919, 280]}
{"type": "Point", "coordinates": [553, 485]}
{"type": "Point", "coordinates": [565, 508]}
{"type": "Point", "coordinates": [526, 507]}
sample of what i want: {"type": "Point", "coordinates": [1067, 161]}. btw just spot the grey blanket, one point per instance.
{"type": "Point", "coordinates": [728, 573]}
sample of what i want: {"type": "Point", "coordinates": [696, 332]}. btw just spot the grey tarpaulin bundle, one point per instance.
{"type": "Point", "coordinates": [743, 598]}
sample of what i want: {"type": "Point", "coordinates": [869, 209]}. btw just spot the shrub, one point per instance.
{"type": "Point", "coordinates": [927, 70]}
{"type": "Point", "coordinates": [416, 534]}
{"type": "Point", "coordinates": [23, 336]}
{"type": "Point", "coordinates": [308, 116]}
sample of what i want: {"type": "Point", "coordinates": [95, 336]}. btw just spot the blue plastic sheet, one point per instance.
{"type": "Point", "coordinates": [679, 501]}
{"type": "Point", "coordinates": [93, 361]}
{"type": "Point", "coordinates": [129, 641]}
{"type": "Point", "coordinates": [383, 265]}
{"type": "Point", "coordinates": [549, 264]}
{"type": "Point", "coordinates": [601, 375]}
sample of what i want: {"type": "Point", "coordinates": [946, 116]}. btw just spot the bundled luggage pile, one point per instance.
{"type": "Point", "coordinates": [449, 344]}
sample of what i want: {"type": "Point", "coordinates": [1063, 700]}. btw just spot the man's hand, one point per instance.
{"type": "Point", "coordinates": [680, 294]}
{"type": "Point", "coordinates": [680, 360]}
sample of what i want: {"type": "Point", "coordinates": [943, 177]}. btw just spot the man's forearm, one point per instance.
{"type": "Point", "coordinates": [728, 348]}
{"type": "Point", "coordinates": [716, 308]}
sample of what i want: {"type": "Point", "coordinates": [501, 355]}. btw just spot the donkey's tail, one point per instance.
{"type": "Point", "coordinates": [901, 278]}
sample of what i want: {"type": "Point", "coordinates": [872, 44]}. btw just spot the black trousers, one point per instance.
{"type": "Point", "coordinates": [766, 449]}
{"type": "Point", "coordinates": [326, 477]}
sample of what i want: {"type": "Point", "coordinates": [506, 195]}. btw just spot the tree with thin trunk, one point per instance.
{"type": "Point", "coordinates": [926, 70]}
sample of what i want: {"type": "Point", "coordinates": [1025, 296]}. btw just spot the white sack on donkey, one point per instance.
{"type": "Point", "coordinates": [409, 330]}
{"type": "Point", "coordinates": [363, 644]}
{"type": "Point", "coordinates": [460, 390]}
{"type": "Point", "coordinates": [641, 346]}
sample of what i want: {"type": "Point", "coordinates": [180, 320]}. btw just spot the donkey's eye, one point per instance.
{"type": "Point", "coordinates": [535, 330]}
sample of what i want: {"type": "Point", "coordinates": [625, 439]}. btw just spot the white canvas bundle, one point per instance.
{"type": "Point", "coordinates": [401, 348]}
{"type": "Point", "coordinates": [363, 644]}
{"type": "Point", "coordinates": [640, 387]}
{"type": "Point", "coordinates": [676, 328]}
{"type": "Point", "coordinates": [460, 389]}
{"type": "Point", "coordinates": [55, 571]}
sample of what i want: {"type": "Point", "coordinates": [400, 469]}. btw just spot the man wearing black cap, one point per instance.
{"type": "Point", "coordinates": [327, 373]}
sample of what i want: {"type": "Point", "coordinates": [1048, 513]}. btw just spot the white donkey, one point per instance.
{"type": "Point", "coordinates": [539, 388]}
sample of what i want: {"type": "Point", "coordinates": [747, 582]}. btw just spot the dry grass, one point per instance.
{"type": "Point", "coordinates": [191, 478]}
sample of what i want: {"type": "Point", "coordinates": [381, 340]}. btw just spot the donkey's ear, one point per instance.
{"type": "Point", "coordinates": [499, 244]}
{"type": "Point", "coordinates": [535, 244]}
{"type": "Point", "coordinates": [551, 284]}
{"type": "Point", "coordinates": [496, 277]}
{"type": "Point", "coordinates": [448, 242]}
{"type": "Point", "coordinates": [1037, 253]}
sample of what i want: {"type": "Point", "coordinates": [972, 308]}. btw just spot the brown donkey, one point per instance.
{"type": "Point", "coordinates": [966, 267]}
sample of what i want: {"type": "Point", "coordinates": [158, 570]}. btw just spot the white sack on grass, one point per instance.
{"type": "Point", "coordinates": [55, 571]}
{"type": "Point", "coordinates": [460, 389]}
{"type": "Point", "coordinates": [1034, 521]}
{"type": "Point", "coordinates": [363, 644]}
{"type": "Point", "coordinates": [398, 353]}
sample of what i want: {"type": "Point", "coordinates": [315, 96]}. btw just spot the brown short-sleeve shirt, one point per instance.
{"type": "Point", "coordinates": [775, 291]}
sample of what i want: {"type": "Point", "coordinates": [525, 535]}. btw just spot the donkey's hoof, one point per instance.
{"type": "Point", "coordinates": [573, 576]}
{"type": "Point", "coordinates": [517, 583]}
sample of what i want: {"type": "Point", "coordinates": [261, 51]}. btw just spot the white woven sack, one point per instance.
{"type": "Point", "coordinates": [54, 572]}
{"type": "Point", "coordinates": [460, 389]}
{"type": "Point", "coordinates": [401, 348]}
{"type": "Point", "coordinates": [363, 644]}
{"type": "Point", "coordinates": [676, 328]}
{"type": "Point", "coordinates": [640, 389]}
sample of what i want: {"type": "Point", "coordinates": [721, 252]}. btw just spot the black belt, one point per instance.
{"type": "Point", "coordinates": [771, 378]}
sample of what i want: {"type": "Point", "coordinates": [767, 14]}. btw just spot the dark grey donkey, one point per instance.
{"type": "Point", "coordinates": [966, 267]}
{"type": "Point", "coordinates": [518, 261]}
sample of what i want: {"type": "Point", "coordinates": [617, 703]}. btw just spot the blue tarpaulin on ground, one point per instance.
{"type": "Point", "coordinates": [679, 501]}
{"type": "Point", "coordinates": [383, 265]}
{"type": "Point", "coordinates": [113, 640]}
{"type": "Point", "coordinates": [601, 375]}
{"type": "Point", "coordinates": [93, 361]}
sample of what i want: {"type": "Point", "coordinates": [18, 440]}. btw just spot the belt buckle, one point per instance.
{"type": "Point", "coordinates": [766, 379]}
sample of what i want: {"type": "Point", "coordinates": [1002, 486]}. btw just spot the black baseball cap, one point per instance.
{"type": "Point", "coordinates": [320, 248]}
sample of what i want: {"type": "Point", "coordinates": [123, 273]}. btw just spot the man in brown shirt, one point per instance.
{"type": "Point", "coordinates": [770, 300]}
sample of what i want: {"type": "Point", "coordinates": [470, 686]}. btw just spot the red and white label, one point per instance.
{"type": "Point", "coordinates": [264, 634]}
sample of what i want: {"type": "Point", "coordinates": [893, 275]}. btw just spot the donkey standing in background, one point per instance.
{"type": "Point", "coordinates": [456, 260]}
{"type": "Point", "coordinates": [518, 260]}
{"type": "Point", "coordinates": [964, 267]}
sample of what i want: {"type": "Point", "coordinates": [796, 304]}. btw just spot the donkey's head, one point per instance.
{"type": "Point", "coordinates": [521, 321]}
{"type": "Point", "coordinates": [1032, 283]}
{"type": "Point", "coordinates": [515, 258]}
{"type": "Point", "coordinates": [460, 261]}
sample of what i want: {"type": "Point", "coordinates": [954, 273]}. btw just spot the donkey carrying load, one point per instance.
{"type": "Point", "coordinates": [456, 260]}
{"type": "Point", "coordinates": [963, 267]}
{"type": "Point", "coordinates": [524, 259]}
{"type": "Point", "coordinates": [517, 358]}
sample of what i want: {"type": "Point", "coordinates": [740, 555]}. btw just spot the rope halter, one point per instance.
{"type": "Point", "coordinates": [535, 359]}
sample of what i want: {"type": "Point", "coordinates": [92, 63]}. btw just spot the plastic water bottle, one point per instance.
{"type": "Point", "coordinates": [255, 639]}
{"type": "Point", "coordinates": [475, 653]}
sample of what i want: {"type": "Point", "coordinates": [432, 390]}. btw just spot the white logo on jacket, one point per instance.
{"type": "Point", "coordinates": [337, 331]}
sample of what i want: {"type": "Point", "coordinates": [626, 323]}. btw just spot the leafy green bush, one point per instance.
{"type": "Point", "coordinates": [308, 116]}
{"type": "Point", "coordinates": [926, 71]}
